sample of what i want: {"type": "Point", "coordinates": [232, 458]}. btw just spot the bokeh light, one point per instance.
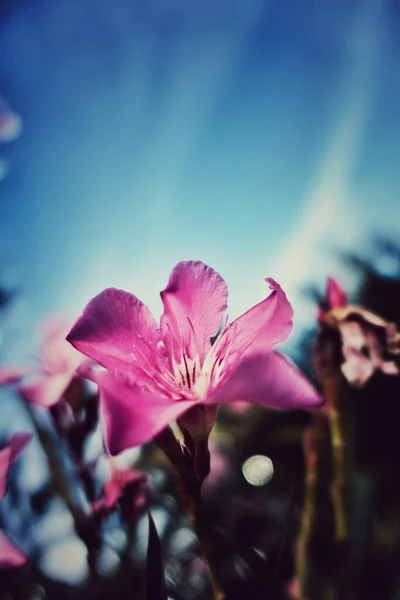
{"type": "Point", "coordinates": [258, 470]}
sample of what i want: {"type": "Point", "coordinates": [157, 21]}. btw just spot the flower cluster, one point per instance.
{"type": "Point", "coordinates": [155, 382]}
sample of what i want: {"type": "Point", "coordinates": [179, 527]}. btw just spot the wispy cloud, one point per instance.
{"type": "Point", "coordinates": [200, 63]}
{"type": "Point", "coordinates": [327, 219]}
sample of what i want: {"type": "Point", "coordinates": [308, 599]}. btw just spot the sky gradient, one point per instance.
{"type": "Point", "coordinates": [256, 136]}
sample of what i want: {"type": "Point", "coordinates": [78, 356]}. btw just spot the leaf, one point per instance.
{"type": "Point", "coordinates": [156, 589]}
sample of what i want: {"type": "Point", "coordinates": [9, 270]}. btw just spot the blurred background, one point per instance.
{"type": "Point", "coordinates": [260, 137]}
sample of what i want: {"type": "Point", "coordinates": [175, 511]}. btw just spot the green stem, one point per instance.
{"type": "Point", "coordinates": [311, 451]}
{"type": "Point", "coordinates": [183, 458]}
{"type": "Point", "coordinates": [338, 488]}
{"type": "Point", "coordinates": [333, 389]}
{"type": "Point", "coordinates": [81, 523]}
{"type": "Point", "coordinates": [199, 525]}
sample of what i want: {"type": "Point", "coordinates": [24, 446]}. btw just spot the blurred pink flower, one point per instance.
{"type": "Point", "coordinates": [56, 372]}
{"type": "Point", "coordinates": [125, 484]}
{"type": "Point", "coordinates": [120, 478]}
{"type": "Point", "coordinates": [154, 375]}
{"type": "Point", "coordinates": [335, 297]}
{"type": "Point", "coordinates": [10, 556]}
{"type": "Point", "coordinates": [335, 294]}
{"type": "Point", "coordinates": [354, 340]}
{"type": "Point", "coordinates": [10, 123]}
{"type": "Point", "coordinates": [10, 375]}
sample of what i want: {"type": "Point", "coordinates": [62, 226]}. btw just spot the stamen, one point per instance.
{"type": "Point", "coordinates": [221, 355]}
{"type": "Point", "coordinates": [187, 372]}
{"type": "Point", "coordinates": [194, 373]}
{"type": "Point", "coordinates": [174, 362]}
{"type": "Point", "coordinates": [158, 376]}
{"type": "Point", "coordinates": [196, 353]}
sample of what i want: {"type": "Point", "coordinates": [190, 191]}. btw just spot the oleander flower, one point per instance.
{"type": "Point", "coordinates": [121, 477]}
{"type": "Point", "coordinates": [10, 556]}
{"type": "Point", "coordinates": [354, 340]}
{"type": "Point", "coordinates": [335, 296]}
{"type": "Point", "coordinates": [154, 375]}
{"type": "Point", "coordinates": [56, 374]}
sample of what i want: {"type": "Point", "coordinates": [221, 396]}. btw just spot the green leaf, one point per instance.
{"type": "Point", "coordinates": [155, 581]}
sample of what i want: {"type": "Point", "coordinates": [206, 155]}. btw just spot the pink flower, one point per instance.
{"type": "Point", "coordinates": [354, 340]}
{"type": "Point", "coordinates": [123, 484]}
{"type": "Point", "coordinates": [10, 123]}
{"type": "Point", "coordinates": [120, 477]}
{"type": "Point", "coordinates": [10, 556]}
{"type": "Point", "coordinates": [153, 375]}
{"type": "Point", "coordinates": [9, 375]}
{"type": "Point", "coordinates": [57, 371]}
{"type": "Point", "coordinates": [335, 296]}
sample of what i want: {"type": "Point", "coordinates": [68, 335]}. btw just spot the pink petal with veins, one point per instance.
{"type": "Point", "coordinates": [132, 415]}
{"type": "Point", "coordinates": [119, 331]}
{"type": "Point", "coordinates": [257, 330]}
{"type": "Point", "coordinates": [195, 301]}
{"type": "Point", "coordinates": [270, 380]}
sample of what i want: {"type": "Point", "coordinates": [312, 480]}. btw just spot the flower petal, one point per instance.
{"type": "Point", "coordinates": [10, 375]}
{"type": "Point", "coordinates": [119, 331]}
{"type": "Point", "coordinates": [257, 330]}
{"type": "Point", "coordinates": [335, 294]}
{"type": "Point", "coordinates": [120, 478]}
{"type": "Point", "coordinates": [199, 420]}
{"type": "Point", "coordinates": [133, 416]}
{"type": "Point", "coordinates": [57, 355]}
{"type": "Point", "coordinates": [18, 443]}
{"type": "Point", "coordinates": [195, 300]}
{"type": "Point", "coordinates": [270, 380]}
{"type": "Point", "coordinates": [10, 556]}
{"type": "Point", "coordinates": [48, 390]}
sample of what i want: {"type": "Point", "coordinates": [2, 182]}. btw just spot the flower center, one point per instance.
{"type": "Point", "coordinates": [187, 371]}
{"type": "Point", "coordinates": [194, 378]}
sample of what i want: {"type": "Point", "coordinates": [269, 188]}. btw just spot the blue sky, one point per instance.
{"type": "Point", "coordinates": [249, 134]}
